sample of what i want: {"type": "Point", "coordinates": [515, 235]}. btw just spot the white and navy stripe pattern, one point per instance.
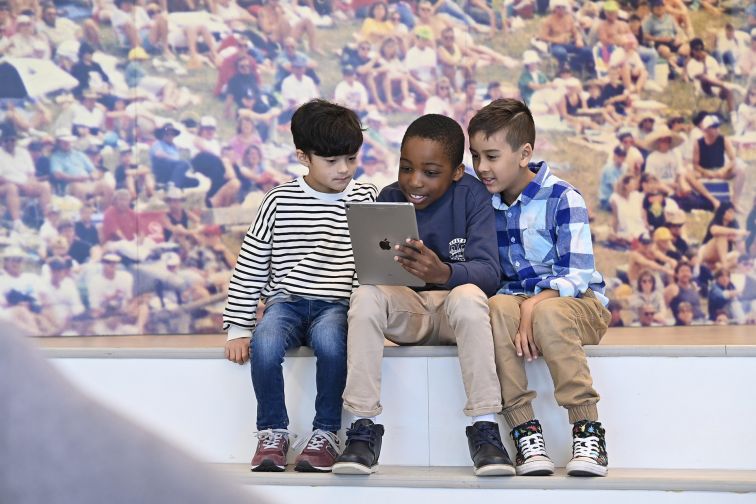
{"type": "Point", "coordinates": [298, 245]}
{"type": "Point", "coordinates": [545, 239]}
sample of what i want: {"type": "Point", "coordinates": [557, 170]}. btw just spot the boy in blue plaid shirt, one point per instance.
{"type": "Point", "coordinates": [550, 302]}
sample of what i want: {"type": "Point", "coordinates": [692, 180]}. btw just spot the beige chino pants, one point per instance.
{"type": "Point", "coordinates": [406, 317]}
{"type": "Point", "coordinates": [561, 326]}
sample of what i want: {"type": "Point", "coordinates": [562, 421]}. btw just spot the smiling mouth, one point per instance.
{"type": "Point", "coordinates": [416, 198]}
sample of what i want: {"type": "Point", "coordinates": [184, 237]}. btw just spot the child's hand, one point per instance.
{"type": "Point", "coordinates": [422, 262]}
{"type": "Point", "coordinates": [524, 342]}
{"type": "Point", "coordinates": [237, 350]}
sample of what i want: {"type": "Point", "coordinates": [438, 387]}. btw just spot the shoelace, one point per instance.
{"type": "Point", "coordinates": [317, 439]}
{"type": "Point", "coordinates": [272, 438]}
{"type": "Point", "coordinates": [360, 433]}
{"type": "Point", "coordinates": [586, 447]}
{"type": "Point", "coordinates": [532, 445]}
{"type": "Point", "coordinates": [487, 435]}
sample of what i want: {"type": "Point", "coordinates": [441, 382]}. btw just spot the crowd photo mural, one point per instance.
{"type": "Point", "coordinates": [137, 139]}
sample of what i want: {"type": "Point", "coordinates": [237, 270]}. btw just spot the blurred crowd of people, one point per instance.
{"type": "Point", "coordinates": [113, 189]}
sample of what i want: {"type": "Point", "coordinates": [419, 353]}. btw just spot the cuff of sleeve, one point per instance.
{"type": "Point", "coordinates": [236, 332]}
{"type": "Point", "coordinates": [458, 276]}
{"type": "Point", "coordinates": [564, 286]}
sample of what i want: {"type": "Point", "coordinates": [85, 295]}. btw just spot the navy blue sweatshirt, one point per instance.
{"type": "Point", "coordinates": [461, 229]}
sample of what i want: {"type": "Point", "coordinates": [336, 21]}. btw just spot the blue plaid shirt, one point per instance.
{"type": "Point", "coordinates": [545, 240]}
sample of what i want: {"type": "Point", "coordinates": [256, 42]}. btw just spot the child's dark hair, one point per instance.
{"type": "Point", "coordinates": [505, 114]}
{"type": "Point", "coordinates": [441, 129]}
{"type": "Point", "coordinates": [718, 220]}
{"type": "Point", "coordinates": [326, 129]}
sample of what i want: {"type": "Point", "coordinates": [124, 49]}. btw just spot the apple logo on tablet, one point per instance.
{"type": "Point", "coordinates": [385, 244]}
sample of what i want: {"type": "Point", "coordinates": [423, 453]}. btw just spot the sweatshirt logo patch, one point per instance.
{"type": "Point", "coordinates": [457, 249]}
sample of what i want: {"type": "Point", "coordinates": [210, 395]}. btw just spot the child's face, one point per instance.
{"type": "Point", "coordinates": [330, 174]}
{"type": "Point", "coordinates": [425, 171]}
{"type": "Point", "coordinates": [496, 164]}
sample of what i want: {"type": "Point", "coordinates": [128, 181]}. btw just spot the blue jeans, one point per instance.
{"type": "Point", "coordinates": [582, 56]}
{"type": "Point", "coordinates": [649, 57]}
{"type": "Point", "coordinates": [321, 325]}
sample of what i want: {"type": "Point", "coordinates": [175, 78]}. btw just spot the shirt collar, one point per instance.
{"type": "Point", "coordinates": [541, 169]}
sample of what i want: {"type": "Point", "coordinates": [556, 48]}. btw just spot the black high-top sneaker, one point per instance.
{"type": "Point", "coordinates": [589, 456]}
{"type": "Point", "coordinates": [487, 451]}
{"type": "Point", "coordinates": [363, 447]}
{"type": "Point", "coordinates": [531, 459]}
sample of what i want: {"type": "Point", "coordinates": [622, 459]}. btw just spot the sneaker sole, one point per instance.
{"type": "Point", "coordinates": [536, 468]}
{"type": "Point", "coordinates": [495, 470]}
{"type": "Point", "coordinates": [353, 468]}
{"type": "Point", "coordinates": [268, 466]}
{"type": "Point", "coordinates": [582, 468]}
{"type": "Point", "coordinates": [304, 466]}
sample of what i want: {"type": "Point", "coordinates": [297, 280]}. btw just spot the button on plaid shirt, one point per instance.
{"type": "Point", "coordinates": [545, 240]}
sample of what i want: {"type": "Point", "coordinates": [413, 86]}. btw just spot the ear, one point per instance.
{"type": "Point", "coordinates": [303, 158]}
{"type": "Point", "coordinates": [458, 172]}
{"type": "Point", "coordinates": [526, 153]}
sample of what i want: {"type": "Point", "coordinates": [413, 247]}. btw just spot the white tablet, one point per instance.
{"type": "Point", "coordinates": [375, 228]}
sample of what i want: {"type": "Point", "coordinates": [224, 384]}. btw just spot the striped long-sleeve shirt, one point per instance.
{"type": "Point", "coordinates": [545, 240]}
{"type": "Point", "coordinates": [298, 245]}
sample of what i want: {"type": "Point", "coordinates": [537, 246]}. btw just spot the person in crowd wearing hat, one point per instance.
{"type": "Point", "coordinates": [73, 170]}
{"type": "Point", "coordinates": [209, 161]}
{"type": "Point", "coordinates": [664, 161]}
{"type": "Point", "coordinates": [565, 38]}
{"type": "Point", "coordinates": [167, 163]}
{"type": "Point", "coordinates": [649, 296]}
{"type": "Point", "coordinates": [130, 175]}
{"type": "Point", "coordinates": [48, 231]}
{"type": "Point", "coordinates": [111, 294]}
{"type": "Point", "coordinates": [135, 28]}
{"type": "Point", "coordinates": [610, 174]}
{"type": "Point", "coordinates": [177, 221]}
{"type": "Point", "coordinates": [18, 175]}
{"type": "Point", "coordinates": [723, 297]}
{"type": "Point", "coordinates": [663, 247]}
{"type": "Point", "coordinates": [327, 138]}
{"type": "Point", "coordinates": [532, 78]}
{"type": "Point", "coordinates": [14, 277]}
{"type": "Point", "coordinates": [296, 89]}
{"type": "Point", "coordinates": [657, 198]}
{"type": "Point", "coordinates": [714, 157]}
{"type": "Point", "coordinates": [643, 257]}
{"type": "Point", "coordinates": [244, 82]}
{"type": "Point", "coordinates": [421, 59]}
{"type": "Point", "coordinates": [59, 297]}
{"type": "Point", "coordinates": [627, 211]}
{"type": "Point", "coordinates": [88, 113]}
{"type": "Point", "coordinates": [675, 222]}
{"type": "Point", "coordinates": [351, 93]}
{"type": "Point", "coordinates": [708, 75]}
{"type": "Point", "coordinates": [611, 30]}
{"type": "Point", "coordinates": [26, 42]}
{"type": "Point", "coordinates": [661, 30]}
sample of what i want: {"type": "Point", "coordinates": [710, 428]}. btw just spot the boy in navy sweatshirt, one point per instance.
{"type": "Point", "coordinates": [457, 258]}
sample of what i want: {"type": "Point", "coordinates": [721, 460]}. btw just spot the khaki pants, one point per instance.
{"type": "Point", "coordinates": [561, 326]}
{"type": "Point", "coordinates": [406, 317]}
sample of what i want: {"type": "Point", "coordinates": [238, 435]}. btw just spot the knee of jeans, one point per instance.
{"type": "Point", "coordinates": [267, 348]}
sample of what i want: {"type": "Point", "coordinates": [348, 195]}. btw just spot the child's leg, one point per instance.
{"type": "Point", "coordinates": [375, 313]}
{"type": "Point", "coordinates": [327, 336]}
{"type": "Point", "coordinates": [281, 328]}
{"type": "Point", "coordinates": [466, 310]}
{"type": "Point", "coordinates": [561, 326]}
{"type": "Point", "coordinates": [505, 320]}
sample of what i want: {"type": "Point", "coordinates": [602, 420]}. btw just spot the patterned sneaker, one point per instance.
{"type": "Point", "coordinates": [531, 459]}
{"type": "Point", "coordinates": [589, 456]}
{"type": "Point", "coordinates": [487, 451]}
{"type": "Point", "coordinates": [319, 454]}
{"type": "Point", "coordinates": [272, 446]}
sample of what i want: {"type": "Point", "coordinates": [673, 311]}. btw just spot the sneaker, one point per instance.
{"type": "Point", "coordinates": [320, 451]}
{"type": "Point", "coordinates": [272, 446]}
{"type": "Point", "coordinates": [487, 451]}
{"type": "Point", "coordinates": [531, 459]}
{"type": "Point", "coordinates": [363, 447]}
{"type": "Point", "coordinates": [589, 456]}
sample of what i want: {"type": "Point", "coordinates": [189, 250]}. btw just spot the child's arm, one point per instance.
{"type": "Point", "coordinates": [249, 277]}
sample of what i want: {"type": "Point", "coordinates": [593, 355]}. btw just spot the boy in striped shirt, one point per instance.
{"type": "Point", "coordinates": [550, 301]}
{"type": "Point", "coordinates": [297, 258]}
